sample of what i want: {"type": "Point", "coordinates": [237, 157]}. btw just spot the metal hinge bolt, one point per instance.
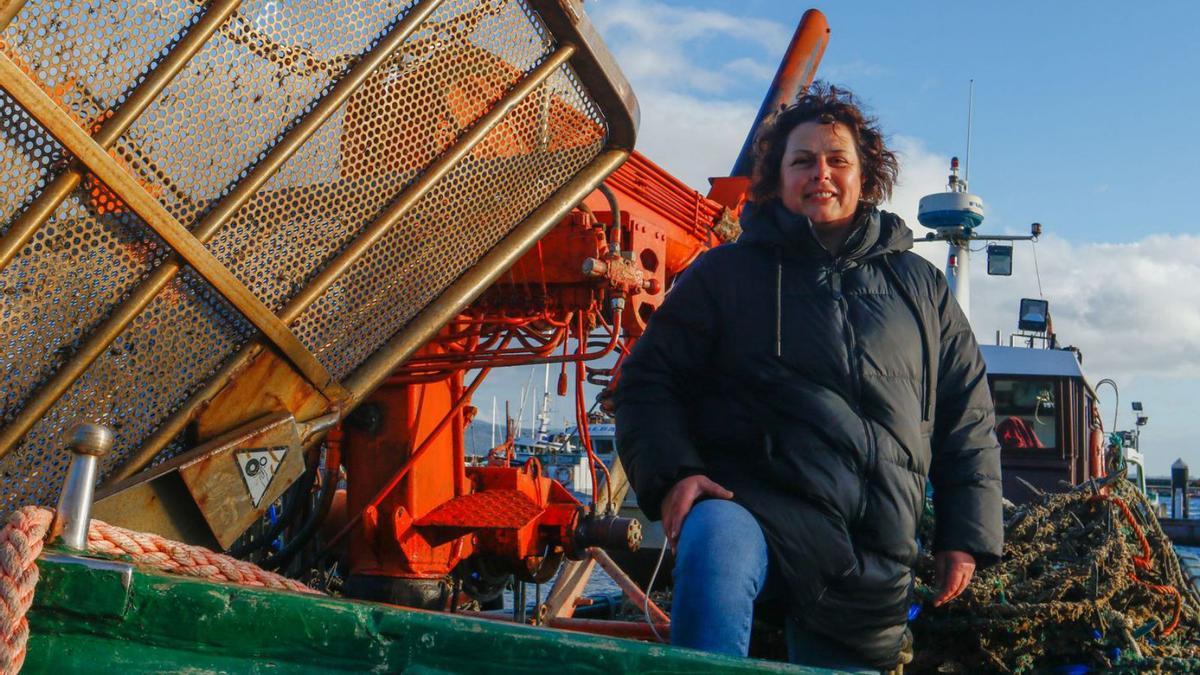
{"type": "Point", "coordinates": [89, 442]}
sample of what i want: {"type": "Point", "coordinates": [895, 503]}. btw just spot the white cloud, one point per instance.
{"type": "Point", "coordinates": [747, 68]}
{"type": "Point", "coordinates": [921, 173]}
{"type": "Point", "coordinates": [664, 26]}
{"type": "Point", "coordinates": [690, 125]}
{"type": "Point", "coordinates": [1134, 309]}
{"type": "Point", "coordinates": [691, 137]}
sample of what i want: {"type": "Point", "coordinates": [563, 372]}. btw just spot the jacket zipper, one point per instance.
{"type": "Point", "coordinates": [835, 283]}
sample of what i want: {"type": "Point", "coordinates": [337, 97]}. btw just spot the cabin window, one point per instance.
{"type": "Point", "coordinates": [1026, 414]}
{"type": "Point", "coordinates": [602, 446]}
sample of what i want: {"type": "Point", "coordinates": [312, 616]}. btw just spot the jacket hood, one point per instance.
{"type": "Point", "coordinates": [876, 232]}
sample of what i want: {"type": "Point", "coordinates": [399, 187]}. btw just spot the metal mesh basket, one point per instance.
{"type": "Point", "coordinates": [182, 183]}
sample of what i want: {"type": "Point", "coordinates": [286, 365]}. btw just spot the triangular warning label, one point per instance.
{"type": "Point", "coordinates": [259, 466]}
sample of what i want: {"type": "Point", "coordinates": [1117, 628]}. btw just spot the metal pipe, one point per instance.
{"type": "Point", "coordinates": [628, 587]}
{"type": "Point", "coordinates": [8, 11]}
{"type": "Point", "coordinates": [429, 178]}
{"type": "Point", "coordinates": [112, 327]}
{"type": "Point", "coordinates": [636, 630]}
{"type": "Point", "coordinates": [531, 360]}
{"type": "Point", "coordinates": [474, 281]}
{"type": "Point", "coordinates": [614, 237]}
{"type": "Point", "coordinates": [33, 217]}
{"type": "Point", "coordinates": [88, 443]}
{"type": "Point", "coordinates": [795, 74]}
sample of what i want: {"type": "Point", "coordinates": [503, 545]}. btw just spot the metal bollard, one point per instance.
{"type": "Point", "coordinates": [88, 443]}
{"type": "Point", "coordinates": [1179, 489]}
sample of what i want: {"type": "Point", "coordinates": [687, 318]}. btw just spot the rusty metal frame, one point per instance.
{"type": "Point", "coordinates": [596, 69]}
{"type": "Point", "coordinates": [429, 178]}
{"type": "Point", "coordinates": [591, 65]}
{"type": "Point", "coordinates": [41, 107]}
{"type": "Point", "coordinates": [36, 215]}
{"type": "Point", "coordinates": [372, 373]}
{"type": "Point", "coordinates": [8, 11]}
{"type": "Point", "coordinates": [352, 253]}
{"type": "Point", "coordinates": [123, 315]}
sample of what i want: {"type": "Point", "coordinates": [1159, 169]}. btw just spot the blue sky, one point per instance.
{"type": "Point", "coordinates": [1084, 121]}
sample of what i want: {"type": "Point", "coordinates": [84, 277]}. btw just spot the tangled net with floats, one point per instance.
{"type": "Point", "coordinates": [1088, 582]}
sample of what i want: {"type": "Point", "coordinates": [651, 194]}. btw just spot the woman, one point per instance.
{"type": "Point", "coordinates": [787, 402]}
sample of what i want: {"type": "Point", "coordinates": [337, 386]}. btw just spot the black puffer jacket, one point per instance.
{"type": "Point", "coordinates": [822, 391]}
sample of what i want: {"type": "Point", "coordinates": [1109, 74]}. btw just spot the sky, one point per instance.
{"type": "Point", "coordinates": [1083, 121]}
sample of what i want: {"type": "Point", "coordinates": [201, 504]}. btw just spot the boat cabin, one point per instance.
{"type": "Point", "coordinates": [1044, 408]}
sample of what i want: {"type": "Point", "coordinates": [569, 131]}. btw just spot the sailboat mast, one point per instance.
{"type": "Point", "coordinates": [544, 416]}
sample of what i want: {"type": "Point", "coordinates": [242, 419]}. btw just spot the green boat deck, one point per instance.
{"type": "Point", "coordinates": [108, 617]}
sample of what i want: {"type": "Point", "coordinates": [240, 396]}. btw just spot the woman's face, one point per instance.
{"type": "Point", "coordinates": [820, 176]}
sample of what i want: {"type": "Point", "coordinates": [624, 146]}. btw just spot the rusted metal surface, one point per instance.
{"type": "Point", "coordinates": [51, 198]}
{"type": "Point", "coordinates": [152, 212]}
{"type": "Point", "coordinates": [9, 9]}
{"type": "Point", "coordinates": [262, 154]}
{"type": "Point", "coordinates": [113, 124]}
{"type": "Point", "coordinates": [229, 494]}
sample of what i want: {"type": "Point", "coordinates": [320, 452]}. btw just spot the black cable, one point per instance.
{"type": "Point", "coordinates": [290, 511]}
{"type": "Point", "coordinates": [306, 532]}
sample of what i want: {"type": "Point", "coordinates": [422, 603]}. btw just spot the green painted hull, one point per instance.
{"type": "Point", "coordinates": [109, 621]}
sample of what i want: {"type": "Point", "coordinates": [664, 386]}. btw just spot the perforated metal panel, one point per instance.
{"type": "Point", "coordinates": [385, 289]}
{"type": "Point", "coordinates": [227, 111]}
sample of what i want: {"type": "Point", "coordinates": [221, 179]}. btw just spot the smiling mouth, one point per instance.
{"type": "Point", "coordinates": [821, 195]}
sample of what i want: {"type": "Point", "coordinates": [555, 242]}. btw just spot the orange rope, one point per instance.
{"type": "Point", "coordinates": [1145, 561]}
{"type": "Point", "coordinates": [20, 545]}
{"type": "Point", "coordinates": [1165, 590]}
{"type": "Point", "coordinates": [21, 542]}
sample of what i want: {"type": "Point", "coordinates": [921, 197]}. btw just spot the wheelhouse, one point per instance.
{"type": "Point", "coordinates": [1044, 416]}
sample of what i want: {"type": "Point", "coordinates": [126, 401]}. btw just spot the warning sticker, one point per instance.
{"type": "Point", "coordinates": [259, 466]}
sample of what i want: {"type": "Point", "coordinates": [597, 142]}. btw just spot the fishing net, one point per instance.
{"type": "Point", "coordinates": [1088, 582]}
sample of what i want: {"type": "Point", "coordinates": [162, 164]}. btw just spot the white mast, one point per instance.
{"type": "Point", "coordinates": [543, 417]}
{"type": "Point", "coordinates": [954, 215]}
{"type": "Point", "coordinates": [525, 391]}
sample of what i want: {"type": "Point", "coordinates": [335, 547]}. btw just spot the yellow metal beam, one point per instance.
{"type": "Point", "coordinates": [35, 101]}
{"type": "Point", "coordinates": [124, 314]}
{"type": "Point", "coordinates": [8, 10]}
{"type": "Point", "coordinates": [367, 377]}
{"type": "Point", "coordinates": [352, 253]}
{"type": "Point", "coordinates": [37, 213]}
{"type": "Point", "coordinates": [436, 171]}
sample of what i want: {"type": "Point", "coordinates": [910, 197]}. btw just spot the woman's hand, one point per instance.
{"type": "Point", "coordinates": [954, 572]}
{"type": "Point", "coordinates": [679, 501]}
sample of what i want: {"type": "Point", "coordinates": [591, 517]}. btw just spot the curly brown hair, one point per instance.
{"type": "Point", "coordinates": [827, 104]}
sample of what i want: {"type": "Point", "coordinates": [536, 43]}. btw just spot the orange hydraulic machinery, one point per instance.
{"type": "Point", "coordinates": [422, 520]}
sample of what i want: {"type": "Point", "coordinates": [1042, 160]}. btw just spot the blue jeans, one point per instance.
{"type": "Point", "coordinates": [720, 570]}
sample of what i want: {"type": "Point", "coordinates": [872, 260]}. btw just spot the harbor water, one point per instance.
{"type": "Point", "coordinates": [600, 585]}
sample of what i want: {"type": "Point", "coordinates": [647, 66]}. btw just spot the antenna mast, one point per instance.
{"type": "Point", "coordinates": [970, 120]}
{"type": "Point", "coordinates": [954, 215]}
